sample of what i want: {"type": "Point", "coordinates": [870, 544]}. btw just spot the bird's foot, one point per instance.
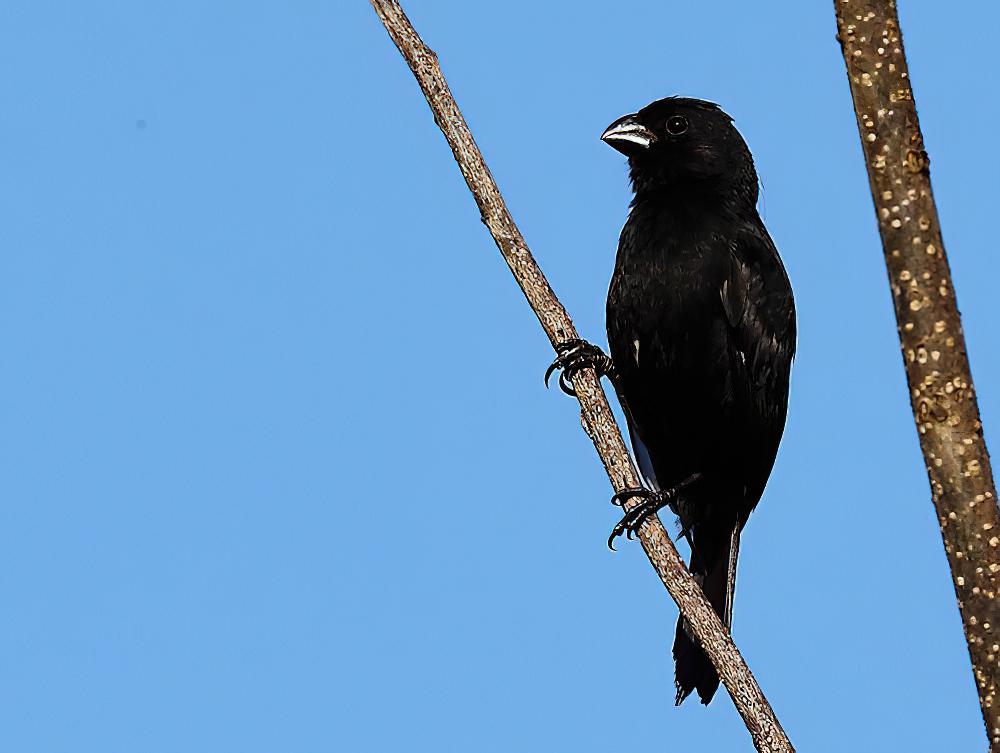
{"type": "Point", "coordinates": [572, 357]}
{"type": "Point", "coordinates": [652, 502]}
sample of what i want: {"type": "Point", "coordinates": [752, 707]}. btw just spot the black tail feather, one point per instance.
{"type": "Point", "coordinates": [693, 669]}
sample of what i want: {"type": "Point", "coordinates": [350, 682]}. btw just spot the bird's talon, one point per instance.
{"type": "Point", "coordinates": [617, 531]}
{"type": "Point", "coordinates": [565, 385]}
{"type": "Point", "coordinates": [620, 498]}
{"type": "Point", "coordinates": [572, 356]}
{"type": "Point", "coordinates": [652, 502]}
{"type": "Point", "coordinates": [548, 372]}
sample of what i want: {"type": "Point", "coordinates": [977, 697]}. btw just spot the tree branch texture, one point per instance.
{"type": "Point", "coordinates": [930, 329]}
{"type": "Point", "coordinates": [598, 420]}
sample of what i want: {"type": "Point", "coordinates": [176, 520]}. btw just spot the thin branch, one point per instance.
{"type": "Point", "coordinates": [599, 422]}
{"type": "Point", "coordinates": [930, 329]}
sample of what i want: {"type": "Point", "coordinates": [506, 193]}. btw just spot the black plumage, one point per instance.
{"type": "Point", "coordinates": [701, 326]}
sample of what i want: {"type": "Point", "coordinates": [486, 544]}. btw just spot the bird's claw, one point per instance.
{"type": "Point", "coordinates": [626, 494]}
{"type": "Point", "coordinates": [633, 519]}
{"type": "Point", "coordinates": [652, 502]}
{"type": "Point", "coordinates": [572, 356]}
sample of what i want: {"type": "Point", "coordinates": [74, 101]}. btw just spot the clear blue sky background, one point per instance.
{"type": "Point", "coordinates": [277, 468]}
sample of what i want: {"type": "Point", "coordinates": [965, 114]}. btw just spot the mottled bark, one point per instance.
{"type": "Point", "coordinates": [598, 420]}
{"type": "Point", "coordinates": [930, 329]}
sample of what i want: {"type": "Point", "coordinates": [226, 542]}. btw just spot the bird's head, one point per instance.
{"type": "Point", "coordinates": [685, 147]}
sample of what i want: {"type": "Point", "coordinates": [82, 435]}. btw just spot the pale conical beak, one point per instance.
{"type": "Point", "coordinates": [628, 135]}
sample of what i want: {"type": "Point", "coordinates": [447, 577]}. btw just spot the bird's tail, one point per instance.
{"type": "Point", "coordinates": [693, 669]}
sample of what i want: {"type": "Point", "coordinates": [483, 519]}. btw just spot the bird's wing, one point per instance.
{"type": "Point", "coordinates": [759, 308]}
{"type": "Point", "coordinates": [757, 299]}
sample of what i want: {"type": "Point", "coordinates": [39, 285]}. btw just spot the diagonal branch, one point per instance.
{"type": "Point", "coordinates": [598, 420]}
{"type": "Point", "coordinates": [930, 329]}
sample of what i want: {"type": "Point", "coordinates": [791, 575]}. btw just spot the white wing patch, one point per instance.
{"type": "Point", "coordinates": [635, 344]}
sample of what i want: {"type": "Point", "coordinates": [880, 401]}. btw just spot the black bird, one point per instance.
{"type": "Point", "coordinates": [701, 324]}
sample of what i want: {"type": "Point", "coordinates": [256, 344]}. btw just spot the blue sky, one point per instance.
{"type": "Point", "coordinates": [278, 469]}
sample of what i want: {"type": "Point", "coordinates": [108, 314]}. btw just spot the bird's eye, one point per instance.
{"type": "Point", "coordinates": [677, 125]}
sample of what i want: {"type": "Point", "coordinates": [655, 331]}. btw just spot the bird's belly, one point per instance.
{"type": "Point", "coordinates": [687, 410]}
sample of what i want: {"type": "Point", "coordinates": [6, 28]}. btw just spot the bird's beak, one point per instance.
{"type": "Point", "coordinates": [628, 135]}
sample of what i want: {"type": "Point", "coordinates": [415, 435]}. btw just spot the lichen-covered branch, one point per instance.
{"type": "Point", "coordinates": [930, 330]}
{"type": "Point", "coordinates": [598, 420]}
